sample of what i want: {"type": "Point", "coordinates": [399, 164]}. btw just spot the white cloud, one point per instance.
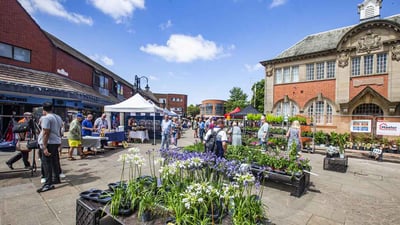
{"type": "Point", "coordinates": [55, 8]}
{"type": "Point", "coordinates": [151, 77]}
{"type": "Point", "coordinates": [276, 3]}
{"type": "Point", "coordinates": [182, 48]}
{"type": "Point", "coordinates": [119, 10]}
{"type": "Point", "coordinates": [166, 25]}
{"type": "Point", "coordinates": [103, 59]}
{"type": "Point", "coordinates": [253, 68]}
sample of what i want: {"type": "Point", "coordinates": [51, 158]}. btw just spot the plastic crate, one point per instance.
{"type": "Point", "coordinates": [87, 213]}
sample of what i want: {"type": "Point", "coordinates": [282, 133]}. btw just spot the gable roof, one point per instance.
{"type": "Point", "coordinates": [321, 42]}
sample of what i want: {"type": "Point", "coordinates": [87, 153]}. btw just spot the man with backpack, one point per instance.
{"type": "Point", "coordinates": [216, 139]}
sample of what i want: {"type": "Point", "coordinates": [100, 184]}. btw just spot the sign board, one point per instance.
{"type": "Point", "coordinates": [388, 128]}
{"type": "Point", "coordinates": [360, 126]}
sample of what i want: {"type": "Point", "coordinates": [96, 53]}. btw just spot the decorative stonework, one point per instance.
{"type": "Point", "coordinates": [269, 70]}
{"type": "Point", "coordinates": [343, 59]}
{"type": "Point", "coordinates": [368, 81]}
{"type": "Point", "coordinates": [369, 42]}
{"type": "Point", "coordinates": [396, 52]}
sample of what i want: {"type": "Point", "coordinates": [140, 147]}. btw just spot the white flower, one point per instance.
{"type": "Point", "coordinates": [123, 158]}
{"type": "Point", "coordinates": [187, 205]}
{"type": "Point", "coordinates": [134, 150]}
{"type": "Point", "coordinates": [200, 200]}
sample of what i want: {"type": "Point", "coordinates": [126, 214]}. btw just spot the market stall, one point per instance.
{"type": "Point", "coordinates": [136, 104]}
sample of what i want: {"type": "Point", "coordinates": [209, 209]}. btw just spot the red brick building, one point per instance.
{"type": "Point", "coordinates": [36, 67]}
{"type": "Point", "coordinates": [341, 75]}
{"type": "Point", "coordinates": [173, 102]}
{"type": "Point", "coordinates": [212, 107]}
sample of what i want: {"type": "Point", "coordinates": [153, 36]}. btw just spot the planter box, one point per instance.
{"type": "Point", "coordinates": [299, 182]}
{"type": "Point", "coordinates": [336, 164]}
{"type": "Point", "coordinates": [88, 212]}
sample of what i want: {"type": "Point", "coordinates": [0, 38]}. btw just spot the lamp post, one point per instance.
{"type": "Point", "coordinates": [137, 83]}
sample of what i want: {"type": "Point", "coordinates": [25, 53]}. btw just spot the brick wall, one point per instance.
{"type": "Point", "coordinates": [18, 29]}
{"type": "Point", "coordinates": [302, 93]}
{"type": "Point", "coordinates": [76, 69]}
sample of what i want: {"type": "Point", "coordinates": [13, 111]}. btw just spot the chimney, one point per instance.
{"type": "Point", "coordinates": [370, 10]}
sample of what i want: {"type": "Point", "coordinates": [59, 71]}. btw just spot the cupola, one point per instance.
{"type": "Point", "coordinates": [369, 10]}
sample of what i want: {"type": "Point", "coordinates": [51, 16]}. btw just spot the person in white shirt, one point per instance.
{"type": "Point", "coordinates": [166, 125]}
{"type": "Point", "coordinates": [221, 139]}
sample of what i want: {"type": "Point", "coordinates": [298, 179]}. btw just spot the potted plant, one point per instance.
{"type": "Point", "coordinates": [341, 140]}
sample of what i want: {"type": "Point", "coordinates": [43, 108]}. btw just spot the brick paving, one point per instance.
{"type": "Point", "coordinates": [366, 194]}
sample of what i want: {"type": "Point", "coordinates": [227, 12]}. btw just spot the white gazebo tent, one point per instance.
{"type": "Point", "coordinates": [135, 104]}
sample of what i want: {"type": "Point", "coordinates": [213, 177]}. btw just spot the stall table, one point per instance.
{"type": "Point", "coordinates": [139, 134]}
{"type": "Point", "coordinates": [87, 142]}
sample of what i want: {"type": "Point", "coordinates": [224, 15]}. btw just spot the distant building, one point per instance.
{"type": "Point", "coordinates": [212, 107]}
{"type": "Point", "coordinates": [173, 102]}
{"type": "Point", "coordinates": [340, 75]}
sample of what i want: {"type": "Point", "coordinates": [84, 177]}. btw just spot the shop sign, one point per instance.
{"type": "Point", "coordinates": [388, 128]}
{"type": "Point", "coordinates": [360, 126]}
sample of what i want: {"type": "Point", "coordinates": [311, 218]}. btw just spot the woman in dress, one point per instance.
{"type": "Point", "coordinates": [293, 135]}
{"type": "Point", "coordinates": [236, 135]}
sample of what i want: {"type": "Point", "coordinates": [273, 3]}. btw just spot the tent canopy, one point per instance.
{"type": "Point", "coordinates": [247, 110]}
{"type": "Point", "coordinates": [236, 110]}
{"type": "Point", "coordinates": [135, 103]}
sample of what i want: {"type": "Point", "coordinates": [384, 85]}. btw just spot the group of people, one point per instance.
{"type": "Point", "coordinates": [49, 136]}
{"type": "Point", "coordinates": [81, 127]}
{"type": "Point", "coordinates": [293, 134]}
{"type": "Point", "coordinates": [233, 134]}
{"type": "Point", "coordinates": [170, 128]}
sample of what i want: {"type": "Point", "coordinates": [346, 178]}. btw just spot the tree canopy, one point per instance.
{"type": "Point", "coordinates": [257, 101]}
{"type": "Point", "coordinates": [193, 110]}
{"type": "Point", "coordinates": [237, 98]}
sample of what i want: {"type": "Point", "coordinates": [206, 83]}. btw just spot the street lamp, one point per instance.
{"type": "Point", "coordinates": [137, 83]}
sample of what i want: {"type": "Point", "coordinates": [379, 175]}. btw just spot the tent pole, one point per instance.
{"type": "Point", "coordinates": [154, 128]}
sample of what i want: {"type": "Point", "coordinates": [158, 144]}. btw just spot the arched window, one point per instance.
{"type": "Point", "coordinates": [368, 109]}
{"type": "Point", "coordinates": [289, 108]}
{"type": "Point", "coordinates": [321, 112]}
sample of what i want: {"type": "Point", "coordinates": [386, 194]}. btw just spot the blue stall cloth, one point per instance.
{"type": "Point", "coordinates": [118, 136]}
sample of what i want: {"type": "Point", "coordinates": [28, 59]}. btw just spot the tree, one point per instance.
{"type": "Point", "coordinates": [193, 110]}
{"type": "Point", "coordinates": [237, 98]}
{"type": "Point", "coordinates": [257, 101]}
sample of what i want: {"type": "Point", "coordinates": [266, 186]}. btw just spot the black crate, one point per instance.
{"type": "Point", "coordinates": [336, 164]}
{"type": "Point", "coordinates": [87, 212]}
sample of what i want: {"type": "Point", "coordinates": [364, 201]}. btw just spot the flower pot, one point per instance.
{"type": "Point", "coordinates": [170, 221]}
{"type": "Point", "coordinates": [125, 211]}
{"type": "Point", "coordinates": [341, 155]}
{"type": "Point", "coordinates": [146, 216]}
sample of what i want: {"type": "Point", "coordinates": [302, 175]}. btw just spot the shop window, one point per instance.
{"type": "Point", "coordinates": [289, 108]}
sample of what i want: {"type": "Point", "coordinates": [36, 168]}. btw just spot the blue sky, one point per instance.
{"type": "Point", "coordinates": [202, 48]}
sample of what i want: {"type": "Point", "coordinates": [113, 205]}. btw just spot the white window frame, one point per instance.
{"type": "Point", "coordinates": [356, 66]}
{"type": "Point", "coordinates": [295, 73]}
{"type": "Point", "coordinates": [381, 63]}
{"type": "Point", "coordinates": [368, 64]}
{"type": "Point", "coordinates": [320, 67]}
{"type": "Point", "coordinates": [310, 71]}
{"type": "Point", "coordinates": [330, 69]}
{"type": "Point", "coordinates": [278, 76]}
